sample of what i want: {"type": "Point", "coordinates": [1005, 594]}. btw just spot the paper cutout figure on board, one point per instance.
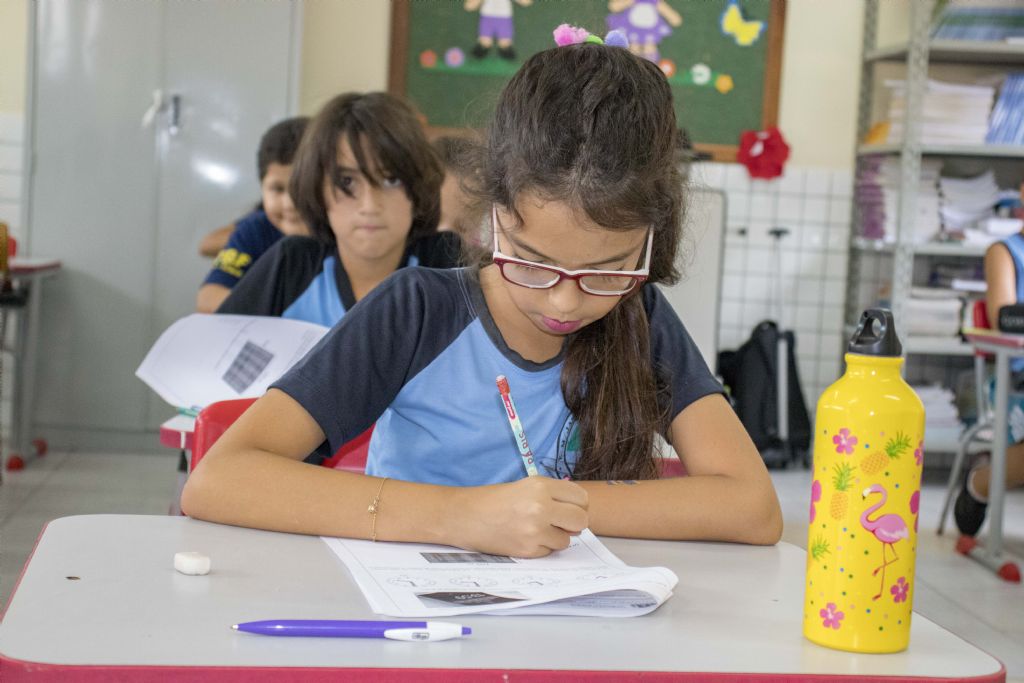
{"type": "Point", "coordinates": [645, 22]}
{"type": "Point", "coordinates": [744, 31]}
{"type": "Point", "coordinates": [495, 22]}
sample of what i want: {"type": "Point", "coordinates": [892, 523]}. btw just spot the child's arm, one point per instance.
{"type": "Point", "coordinates": [728, 495]}
{"type": "Point", "coordinates": [253, 476]}
{"type": "Point", "coordinates": [1001, 277]}
{"type": "Point", "coordinates": [210, 297]}
{"type": "Point", "coordinates": [616, 6]}
{"type": "Point", "coordinates": [215, 240]}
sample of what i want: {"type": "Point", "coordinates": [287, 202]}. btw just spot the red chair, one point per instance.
{"type": "Point", "coordinates": [981, 430]}
{"type": "Point", "coordinates": [214, 420]}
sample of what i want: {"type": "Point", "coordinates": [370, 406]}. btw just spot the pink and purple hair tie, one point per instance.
{"type": "Point", "coordinates": [573, 35]}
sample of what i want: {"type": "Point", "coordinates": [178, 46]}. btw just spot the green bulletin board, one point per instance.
{"type": "Point", "coordinates": [722, 59]}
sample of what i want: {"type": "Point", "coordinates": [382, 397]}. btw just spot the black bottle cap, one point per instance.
{"type": "Point", "coordinates": [876, 335]}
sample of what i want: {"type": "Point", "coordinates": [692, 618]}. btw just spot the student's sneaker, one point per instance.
{"type": "Point", "coordinates": [508, 53]}
{"type": "Point", "coordinates": [968, 511]}
{"type": "Point", "coordinates": [479, 51]}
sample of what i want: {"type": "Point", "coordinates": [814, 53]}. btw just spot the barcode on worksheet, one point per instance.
{"type": "Point", "coordinates": [449, 558]}
{"type": "Point", "coordinates": [247, 366]}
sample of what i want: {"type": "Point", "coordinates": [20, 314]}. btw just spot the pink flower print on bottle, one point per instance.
{"type": "Point", "coordinates": [815, 497]}
{"type": "Point", "coordinates": [900, 589]}
{"type": "Point", "coordinates": [915, 505]}
{"type": "Point", "coordinates": [844, 441]}
{"type": "Point", "coordinates": [919, 453]}
{"type": "Point", "coordinates": [831, 616]}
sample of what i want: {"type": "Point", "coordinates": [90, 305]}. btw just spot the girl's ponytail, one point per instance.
{"type": "Point", "coordinates": [610, 387]}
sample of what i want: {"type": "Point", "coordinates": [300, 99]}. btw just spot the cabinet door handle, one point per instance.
{"type": "Point", "coordinates": [174, 116]}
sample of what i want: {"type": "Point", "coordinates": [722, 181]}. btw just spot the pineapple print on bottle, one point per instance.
{"type": "Point", "coordinates": [879, 460]}
{"type": "Point", "coordinates": [862, 535]}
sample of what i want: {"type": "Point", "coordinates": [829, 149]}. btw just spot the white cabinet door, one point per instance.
{"type": "Point", "coordinates": [123, 205]}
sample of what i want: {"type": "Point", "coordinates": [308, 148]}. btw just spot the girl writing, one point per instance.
{"type": "Point", "coordinates": [367, 182]}
{"type": "Point", "coordinates": [581, 171]}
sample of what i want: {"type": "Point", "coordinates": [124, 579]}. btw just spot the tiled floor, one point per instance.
{"type": "Point", "coordinates": [951, 590]}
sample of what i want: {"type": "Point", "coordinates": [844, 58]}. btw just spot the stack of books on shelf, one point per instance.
{"type": "Point", "coordinates": [1006, 126]}
{"type": "Point", "coordinates": [933, 312]}
{"type": "Point", "coordinates": [962, 22]}
{"type": "Point", "coordinates": [877, 195]}
{"type": "Point", "coordinates": [942, 423]}
{"type": "Point", "coordinates": [951, 114]}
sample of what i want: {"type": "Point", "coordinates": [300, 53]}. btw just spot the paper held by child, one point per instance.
{"type": "Point", "coordinates": [202, 358]}
{"type": "Point", "coordinates": [419, 580]}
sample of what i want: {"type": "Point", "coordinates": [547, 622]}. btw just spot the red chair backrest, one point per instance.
{"type": "Point", "coordinates": [979, 315]}
{"type": "Point", "coordinates": [214, 420]}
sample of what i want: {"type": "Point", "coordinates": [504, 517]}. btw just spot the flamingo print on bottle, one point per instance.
{"type": "Point", "coordinates": [889, 529]}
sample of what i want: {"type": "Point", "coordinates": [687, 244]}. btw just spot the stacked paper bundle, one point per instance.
{"type": "Point", "coordinates": [951, 114]}
{"type": "Point", "coordinates": [877, 195]}
{"type": "Point", "coordinates": [967, 202]}
{"type": "Point", "coordinates": [942, 420]}
{"type": "Point", "coordinates": [933, 312]}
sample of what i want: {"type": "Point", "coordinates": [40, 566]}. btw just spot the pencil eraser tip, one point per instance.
{"type": "Point", "coordinates": [502, 383]}
{"type": "Point", "coordinates": [192, 564]}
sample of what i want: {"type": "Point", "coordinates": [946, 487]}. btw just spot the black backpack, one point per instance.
{"type": "Point", "coordinates": [750, 374]}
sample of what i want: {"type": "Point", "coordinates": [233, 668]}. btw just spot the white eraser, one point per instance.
{"type": "Point", "coordinates": [193, 564]}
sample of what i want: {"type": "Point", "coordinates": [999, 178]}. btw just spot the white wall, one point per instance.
{"type": "Point", "coordinates": [13, 30]}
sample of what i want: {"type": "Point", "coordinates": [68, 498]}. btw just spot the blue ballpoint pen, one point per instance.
{"type": "Point", "coordinates": [327, 628]}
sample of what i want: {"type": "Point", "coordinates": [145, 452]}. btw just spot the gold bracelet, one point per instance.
{"type": "Point", "coordinates": [373, 508]}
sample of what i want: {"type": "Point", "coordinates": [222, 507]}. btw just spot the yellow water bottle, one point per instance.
{"type": "Point", "coordinates": [865, 496]}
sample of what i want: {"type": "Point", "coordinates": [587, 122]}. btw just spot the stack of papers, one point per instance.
{"type": "Point", "coordinates": [933, 312]}
{"type": "Point", "coordinates": [418, 580]}
{"type": "Point", "coordinates": [951, 114]}
{"type": "Point", "coordinates": [203, 358]}
{"type": "Point", "coordinates": [942, 420]}
{"type": "Point", "coordinates": [877, 195]}
{"type": "Point", "coordinates": [968, 202]}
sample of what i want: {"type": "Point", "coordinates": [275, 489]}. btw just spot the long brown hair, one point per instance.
{"type": "Point", "coordinates": [388, 126]}
{"type": "Point", "coordinates": [594, 126]}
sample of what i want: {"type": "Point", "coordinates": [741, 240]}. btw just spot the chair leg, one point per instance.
{"type": "Point", "coordinates": [954, 472]}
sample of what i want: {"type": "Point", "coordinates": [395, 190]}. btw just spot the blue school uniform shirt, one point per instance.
{"type": "Point", "coordinates": [252, 237]}
{"type": "Point", "coordinates": [419, 356]}
{"type": "Point", "coordinates": [302, 278]}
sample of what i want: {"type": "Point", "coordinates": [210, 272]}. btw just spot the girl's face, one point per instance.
{"type": "Point", "coordinates": [277, 203]}
{"type": "Point", "coordinates": [369, 223]}
{"type": "Point", "coordinates": [553, 234]}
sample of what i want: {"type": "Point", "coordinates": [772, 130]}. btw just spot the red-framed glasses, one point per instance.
{"type": "Point", "coordinates": [538, 276]}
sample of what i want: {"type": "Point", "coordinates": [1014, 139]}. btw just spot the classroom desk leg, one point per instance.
{"type": "Point", "coordinates": [23, 399]}
{"type": "Point", "coordinates": [991, 553]}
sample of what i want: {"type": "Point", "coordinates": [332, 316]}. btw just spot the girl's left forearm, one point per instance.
{"type": "Point", "coordinates": [705, 508]}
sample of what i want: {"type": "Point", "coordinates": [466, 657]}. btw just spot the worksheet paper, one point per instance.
{"type": "Point", "coordinates": [205, 358]}
{"type": "Point", "coordinates": [418, 580]}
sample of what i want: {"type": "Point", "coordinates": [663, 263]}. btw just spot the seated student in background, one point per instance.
{"type": "Point", "coordinates": [582, 177]}
{"type": "Point", "coordinates": [367, 183]}
{"type": "Point", "coordinates": [275, 217]}
{"type": "Point", "coordinates": [461, 211]}
{"type": "Point", "coordinates": [1004, 274]}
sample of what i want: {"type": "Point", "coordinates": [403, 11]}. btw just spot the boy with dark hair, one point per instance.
{"type": "Point", "coordinates": [251, 236]}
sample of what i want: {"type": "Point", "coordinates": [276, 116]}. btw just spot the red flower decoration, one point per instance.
{"type": "Point", "coordinates": [763, 152]}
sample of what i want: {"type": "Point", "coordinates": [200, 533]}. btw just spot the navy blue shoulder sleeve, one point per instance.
{"type": "Point", "coordinates": [355, 372]}
{"type": "Point", "coordinates": [676, 358]}
{"type": "Point", "coordinates": [277, 279]}
{"type": "Point", "coordinates": [440, 250]}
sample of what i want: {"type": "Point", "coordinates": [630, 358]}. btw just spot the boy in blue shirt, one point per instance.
{"type": "Point", "coordinates": [275, 217]}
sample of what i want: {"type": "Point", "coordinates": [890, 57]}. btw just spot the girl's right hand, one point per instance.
{"type": "Point", "coordinates": [528, 518]}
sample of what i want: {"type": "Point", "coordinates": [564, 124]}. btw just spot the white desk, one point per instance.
{"type": "Point", "coordinates": [1004, 347]}
{"type": "Point", "coordinates": [736, 615]}
{"type": "Point", "coordinates": [26, 274]}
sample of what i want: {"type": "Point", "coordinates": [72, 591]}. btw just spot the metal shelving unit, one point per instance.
{"type": "Point", "coordinates": [884, 261]}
